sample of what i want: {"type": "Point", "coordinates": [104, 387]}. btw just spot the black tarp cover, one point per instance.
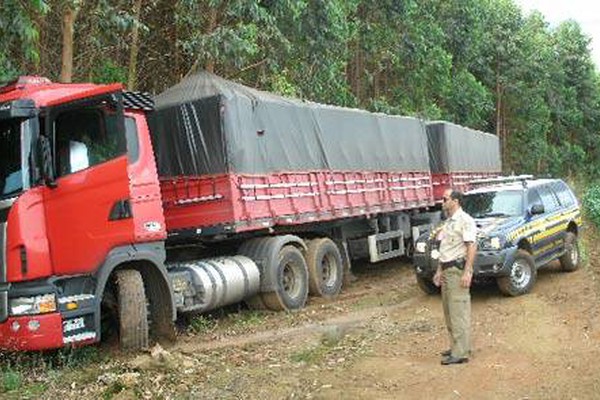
{"type": "Point", "coordinates": [454, 148]}
{"type": "Point", "coordinates": [208, 125]}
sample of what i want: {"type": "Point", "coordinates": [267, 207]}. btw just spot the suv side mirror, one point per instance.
{"type": "Point", "coordinates": [45, 153]}
{"type": "Point", "coordinates": [537, 209]}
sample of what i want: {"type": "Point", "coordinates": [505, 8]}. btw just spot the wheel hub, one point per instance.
{"type": "Point", "coordinates": [290, 283]}
{"type": "Point", "coordinates": [520, 274]}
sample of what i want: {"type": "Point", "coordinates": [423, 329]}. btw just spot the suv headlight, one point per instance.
{"type": "Point", "coordinates": [42, 304]}
{"type": "Point", "coordinates": [420, 247]}
{"type": "Point", "coordinates": [491, 243]}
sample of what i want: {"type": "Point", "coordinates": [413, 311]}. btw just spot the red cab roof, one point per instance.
{"type": "Point", "coordinates": [46, 93]}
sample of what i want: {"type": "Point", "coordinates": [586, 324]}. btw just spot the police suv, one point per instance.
{"type": "Point", "coordinates": [522, 225]}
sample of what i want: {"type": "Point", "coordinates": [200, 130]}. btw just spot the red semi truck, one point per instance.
{"type": "Point", "coordinates": [116, 214]}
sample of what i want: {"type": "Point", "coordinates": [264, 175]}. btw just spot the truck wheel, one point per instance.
{"type": "Point", "coordinates": [570, 260]}
{"type": "Point", "coordinates": [427, 285]}
{"type": "Point", "coordinates": [132, 310]}
{"type": "Point", "coordinates": [325, 268]}
{"type": "Point", "coordinates": [521, 277]}
{"type": "Point", "coordinates": [292, 281]}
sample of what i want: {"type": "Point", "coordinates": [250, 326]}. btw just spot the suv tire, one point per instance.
{"type": "Point", "coordinates": [570, 260]}
{"type": "Point", "coordinates": [521, 276]}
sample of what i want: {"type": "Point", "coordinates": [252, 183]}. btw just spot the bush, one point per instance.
{"type": "Point", "coordinates": [591, 204]}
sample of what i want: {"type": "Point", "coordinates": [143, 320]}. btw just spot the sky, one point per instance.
{"type": "Point", "coordinates": [585, 12]}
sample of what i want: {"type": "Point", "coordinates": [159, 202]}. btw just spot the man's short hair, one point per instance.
{"type": "Point", "coordinates": [457, 195]}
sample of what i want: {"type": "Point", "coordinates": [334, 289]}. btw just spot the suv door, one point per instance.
{"type": "Point", "coordinates": [549, 240]}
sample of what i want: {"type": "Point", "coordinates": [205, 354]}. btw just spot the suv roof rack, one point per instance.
{"type": "Point", "coordinates": [502, 179]}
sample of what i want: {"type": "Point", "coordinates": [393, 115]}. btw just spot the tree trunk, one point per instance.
{"type": "Point", "coordinates": [211, 26]}
{"type": "Point", "coordinates": [42, 27]}
{"type": "Point", "coordinates": [68, 27]}
{"type": "Point", "coordinates": [134, 49]}
{"type": "Point", "coordinates": [499, 128]}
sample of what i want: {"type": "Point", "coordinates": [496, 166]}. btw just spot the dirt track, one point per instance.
{"type": "Point", "coordinates": [380, 340]}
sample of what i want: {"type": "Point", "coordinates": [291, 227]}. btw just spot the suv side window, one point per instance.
{"type": "Point", "coordinates": [533, 198]}
{"type": "Point", "coordinates": [548, 199]}
{"type": "Point", "coordinates": [564, 194]}
{"type": "Point", "coordinates": [85, 137]}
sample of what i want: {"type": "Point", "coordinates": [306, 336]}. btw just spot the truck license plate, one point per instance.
{"type": "Point", "coordinates": [73, 324]}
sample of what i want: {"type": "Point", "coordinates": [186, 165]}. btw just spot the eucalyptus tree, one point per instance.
{"type": "Point", "coordinates": [19, 51]}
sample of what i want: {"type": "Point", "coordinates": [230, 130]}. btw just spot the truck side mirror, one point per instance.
{"type": "Point", "coordinates": [537, 209]}
{"type": "Point", "coordinates": [45, 152]}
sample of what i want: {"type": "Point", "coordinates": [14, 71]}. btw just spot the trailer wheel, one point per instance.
{"type": "Point", "coordinates": [325, 268]}
{"type": "Point", "coordinates": [292, 281]}
{"type": "Point", "coordinates": [132, 310]}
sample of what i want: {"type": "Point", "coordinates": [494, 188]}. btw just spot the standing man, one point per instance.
{"type": "Point", "coordinates": [454, 274]}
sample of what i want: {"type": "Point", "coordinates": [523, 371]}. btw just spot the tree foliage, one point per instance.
{"type": "Point", "coordinates": [480, 63]}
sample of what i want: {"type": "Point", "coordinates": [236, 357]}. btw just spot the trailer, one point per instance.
{"type": "Point", "coordinates": [119, 212]}
{"type": "Point", "coordinates": [459, 155]}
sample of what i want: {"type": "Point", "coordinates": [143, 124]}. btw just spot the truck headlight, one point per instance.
{"type": "Point", "coordinates": [420, 247]}
{"type": "Point", "coordinates": [42, 304]}
{"type": "Point", "coordinates": [491, 243]}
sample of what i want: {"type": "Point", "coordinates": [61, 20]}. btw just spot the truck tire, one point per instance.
{"type": "Point", "coordinates": [570, 260]}
{"type": "Point", "coordinates": [132, 310]}
{"type": "Point", "coordinates": [521, 277]}
{"type": "Point", "coordinates": [427, 285]}
{"type": "Point", "coordinates": [292, 281]}
{"type": "Point", "coordinates": [325, 268]}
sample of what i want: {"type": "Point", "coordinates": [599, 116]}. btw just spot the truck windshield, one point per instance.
{"type": "Point", "coordinates": [11, 177]}
{"type": "Point", "coordinates": [507, 203]}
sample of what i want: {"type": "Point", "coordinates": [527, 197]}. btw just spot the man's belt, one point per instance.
{"type": "Point", "coordinates": [460, 264]}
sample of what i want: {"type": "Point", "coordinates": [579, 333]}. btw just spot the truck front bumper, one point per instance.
{"type": "Point", "coordinates": [488, 263]}
{"type": "Point", "coordinates": [71, 324]}
{"type": "Point", "coordinates": [32, 332]}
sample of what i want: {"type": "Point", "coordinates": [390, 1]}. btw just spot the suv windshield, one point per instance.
{"type": "Point", "coordinates": [507, 203]}
{"type": "Point", "coordinates": [11, 179]}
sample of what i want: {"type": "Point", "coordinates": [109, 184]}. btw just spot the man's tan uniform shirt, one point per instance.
{"type": "Point", "coordinates": [457, 230]}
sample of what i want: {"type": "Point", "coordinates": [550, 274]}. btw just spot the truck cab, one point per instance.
{"type": "Point", "coordinates": [68, 185]}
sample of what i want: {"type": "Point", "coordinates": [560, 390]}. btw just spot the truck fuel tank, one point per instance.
{"type": "Point", "coordinates": [207, 284]}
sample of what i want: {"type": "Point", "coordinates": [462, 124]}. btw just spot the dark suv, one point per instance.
{"type": "Point", "coordinates": [522, 225]}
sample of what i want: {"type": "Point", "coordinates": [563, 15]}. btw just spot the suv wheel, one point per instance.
{"type": "Point", "coordinates": [570, 260]}
{"type": "Point", "coordinates": [521, 277]}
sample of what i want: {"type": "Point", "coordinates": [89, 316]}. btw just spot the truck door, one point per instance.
{"type": "Point", "coordinates": [87, 212]}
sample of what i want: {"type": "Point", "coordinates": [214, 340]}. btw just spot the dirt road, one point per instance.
{"type": "Point", "coordinates": [379, 340]}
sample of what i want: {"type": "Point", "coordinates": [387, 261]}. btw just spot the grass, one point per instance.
{"type": "Point", "coordinates": [202, 324]}
{"type": "Point", "coordinates": [313, 355]}
{"type": "Point", "coordinates": [11, 380]}
{"type": "Point", "coordinates": [330, 340]}
{"type": "Point", "coordinates": [23, 372]}
{"type": "Point", "coordinates": [247, 319]}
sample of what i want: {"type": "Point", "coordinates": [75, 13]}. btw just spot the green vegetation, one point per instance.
{"type": "Point", "coordinates": [21, 372]}
{"type": "Point", "coordinates": [591, 204]}
{"type": "Point", "coordinates": [11, 380]}
{"type": "Point", "coordinates": [202, 324]}
{"type": "Point", "coordinates": [483, 64]}
{"type": "Point", "coordinates": [247, 319]}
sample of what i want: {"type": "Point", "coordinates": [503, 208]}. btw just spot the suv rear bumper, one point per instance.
{"type": "Point", "coordinates": [487, 263]}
